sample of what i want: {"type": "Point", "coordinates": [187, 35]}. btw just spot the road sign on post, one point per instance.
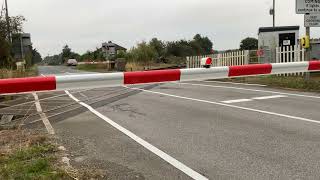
{"type": "Point", "coordinates": [307, 6]}
{"type": "Point", "coordinates": [312, 20]}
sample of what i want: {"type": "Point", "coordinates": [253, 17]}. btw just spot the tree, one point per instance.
{"type": "Point", "coordinates": [66, 53]}
{"type": "Point", "coordinates": [143, 53]}
{"type": "Point", "coordinates": [249, 43]}
{"type": "Point", "coordinates": [201, 45]}
{"type": "Point", "coordinates": [36, 56]}
{"type": "Point", "coordinates": [158, 45]}
{"type": "Point", "coordinates": [16, 26]}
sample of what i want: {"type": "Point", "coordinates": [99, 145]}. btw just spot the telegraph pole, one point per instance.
{"type": "Point", "coordinates": [274, 13]}
{"type": "Point", "coordinates": [8, 21]}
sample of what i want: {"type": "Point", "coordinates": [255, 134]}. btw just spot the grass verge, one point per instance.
{"type": "Point", "coordinates": [8, 73]}
{"type": "Point", "coordinates": [290, 82]}
{"type": "Point", "coordinates": [31, 155]}
{"type": "Point", "coordinates": [25, 155]}
{"type": "Point", "coordinates": [93, 67]}
{"type": "Point", "coordinates": [132, 66]}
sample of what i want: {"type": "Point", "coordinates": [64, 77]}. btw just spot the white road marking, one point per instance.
{"type": "Point", "coordinates": [268, 97]}
{"type": "Point", "coordinates": [190, 172]}
{"type": "Point", "coordinates": [236, 101]}
{"type": "Point", "coordinates": [254, 90]}
{"type": "Point", "coordinates": [43, 116]}
{"type": "Point", "coordinates": [246, 84]}
{"type": "Point", "coordinates": [232, 106]}
{"type": "Point", "coordinates": [43, 75]}
{"type": "Point", "coordinates": [251, 99]}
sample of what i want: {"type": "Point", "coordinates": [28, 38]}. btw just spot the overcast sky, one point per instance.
{"type": "Point", "coordinates": [85, 24]}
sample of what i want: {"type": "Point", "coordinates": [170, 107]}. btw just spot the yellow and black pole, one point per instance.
{"type": "Point", "coordinates": [308, 50]}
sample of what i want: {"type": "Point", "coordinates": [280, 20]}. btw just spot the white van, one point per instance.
{"type": "Point", "coordinates": [72, 62]}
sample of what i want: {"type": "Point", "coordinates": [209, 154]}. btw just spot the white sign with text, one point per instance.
{"type": "Point", "coordinates": [307, 6]}
{"type": "Point", "coordinates": [312, 20]}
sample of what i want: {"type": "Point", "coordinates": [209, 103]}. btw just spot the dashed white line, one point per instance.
{"type": "Point", "coordinates": [232, 106]}
{"type": "Point", "coordinates": [246, 84]}
{"type": "Point", "coordinates": [269, 97]}
{"type": "Point", "coordinates": [43, 116]}
{"type": "Point", "coordinates": [251, 99]}
{"type": "Point", "coordinates": [254, 90]}
{"type": "Point", "coordinates": [236, 101]}
{"type": "Point", "coordinates": [177, 164]}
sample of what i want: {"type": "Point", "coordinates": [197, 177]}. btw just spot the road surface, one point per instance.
{"type": "Point", "coordinates": [187, 130]}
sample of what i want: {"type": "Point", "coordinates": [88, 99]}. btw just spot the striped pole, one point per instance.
{"type": "Point", "coordinates": [80, 81]}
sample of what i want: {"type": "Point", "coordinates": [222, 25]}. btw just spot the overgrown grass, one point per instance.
{"type": "Point", "coordinates": [132, 66]}
{"type": "Point", "coordinates": [34, 162]}
{"type": "Point", "coordinates": [291, 82]}
{"type": "Point", "coordinates": [9, 73]}
{"type": "Point", "coordinates": [93, 67]}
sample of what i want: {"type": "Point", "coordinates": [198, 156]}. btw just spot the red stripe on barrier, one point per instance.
{"type": "Point", "coordinates": [18, 85]}
{"type": "Point", "coordinates": [314, 65]}
{"type": "Point", "coordinates": [151, 76]}
{"type": "Point", "coordinates": [247, 70]}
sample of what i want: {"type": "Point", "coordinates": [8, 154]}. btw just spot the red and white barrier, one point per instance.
{"type": "Point", "coordinates": [80, 81]}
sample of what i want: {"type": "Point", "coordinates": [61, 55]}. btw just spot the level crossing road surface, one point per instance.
{"type": "Point", "coordinates": [192, 130]}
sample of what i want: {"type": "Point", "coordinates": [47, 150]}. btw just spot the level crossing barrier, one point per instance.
{"type": "Point", "coordinates": [82, 81]}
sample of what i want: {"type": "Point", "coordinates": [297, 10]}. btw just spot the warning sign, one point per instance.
{"type": "Point", "coordinates": [312, 20]}
{"type": "Point", "coordinates": [308, 6]}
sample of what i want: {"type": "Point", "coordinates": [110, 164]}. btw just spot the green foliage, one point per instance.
{"type": "Point", "coordinates": [31, 163]}
{"type": "Point", "coordinates": [143, 53]}
{"type": "Point", "coordinates": [153, 51]}
{"type": "Point", "coordinates": [198, 46]}
{"type": "Point", "coordinates": [96, 55]}
{"type": "Point", "coordinates": [5, 57]}
{"type": "Point", "coordinates": [249, 44]}
{"type": "Point", "coordinates": [16, 26]}
{"type": "Point", "coordinates": [36, 56]}
{"type": "Point", "coordinates": [158, 45]}
{"type": "Point", "coordinates": [67, 53]}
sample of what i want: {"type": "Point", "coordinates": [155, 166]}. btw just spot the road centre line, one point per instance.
{"type": "Point", "coordinates": [43, 116]}
{"type": "Point", "coordinates": [231, 106]}
{"type": "Point", "coordinates": [268, 97]}
{"type": "Point", "coordinates": [245, 89]}
{"type": "Point", "coordinates": [177, 164]}
{"type": "Point", "coordinates": [246, 84]}
{"type": "Point", "coordinates": [251, 99]}
{"type": "Point", "coordinates": [236, 101]}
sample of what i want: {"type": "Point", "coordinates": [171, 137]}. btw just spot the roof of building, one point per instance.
{"type": "Point", "coordinates": [111, 44]}
{"type": "Point", "coordinates": [278, 28]}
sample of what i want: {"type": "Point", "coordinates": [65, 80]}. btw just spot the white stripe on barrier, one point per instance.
{"type": "Point", "coordinates": [89, 80]}
{"type": "Point", "coordinates": [200, 73]}
{"type": "Point", "coordinates": [279, 68]}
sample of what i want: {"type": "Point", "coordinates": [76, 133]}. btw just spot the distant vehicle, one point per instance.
{"type": "Point", "coordinates": [72, 62]}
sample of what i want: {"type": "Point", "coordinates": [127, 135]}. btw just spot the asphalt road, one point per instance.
{"type": "Point", "coordinates": [215, 130]}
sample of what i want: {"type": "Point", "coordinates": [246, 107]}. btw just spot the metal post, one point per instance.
{"type": "Point", "coordinates": [307, 54]}
{"type": "Point", "coordinates": [274, 13]}
{"type": "Point", "coordinates": [8, 21]}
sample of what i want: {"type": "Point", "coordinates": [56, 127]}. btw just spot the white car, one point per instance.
{"type": "Point", "coordinates": [72, 62]}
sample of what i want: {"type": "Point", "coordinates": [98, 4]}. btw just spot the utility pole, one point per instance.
{"type": "Point", "coordinates": [8, 22]}
{"type": "Point", "coordinates": [274, 13]}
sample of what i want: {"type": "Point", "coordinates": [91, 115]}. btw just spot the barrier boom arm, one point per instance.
{"type": "Point", "coordinates": [80, 81]}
